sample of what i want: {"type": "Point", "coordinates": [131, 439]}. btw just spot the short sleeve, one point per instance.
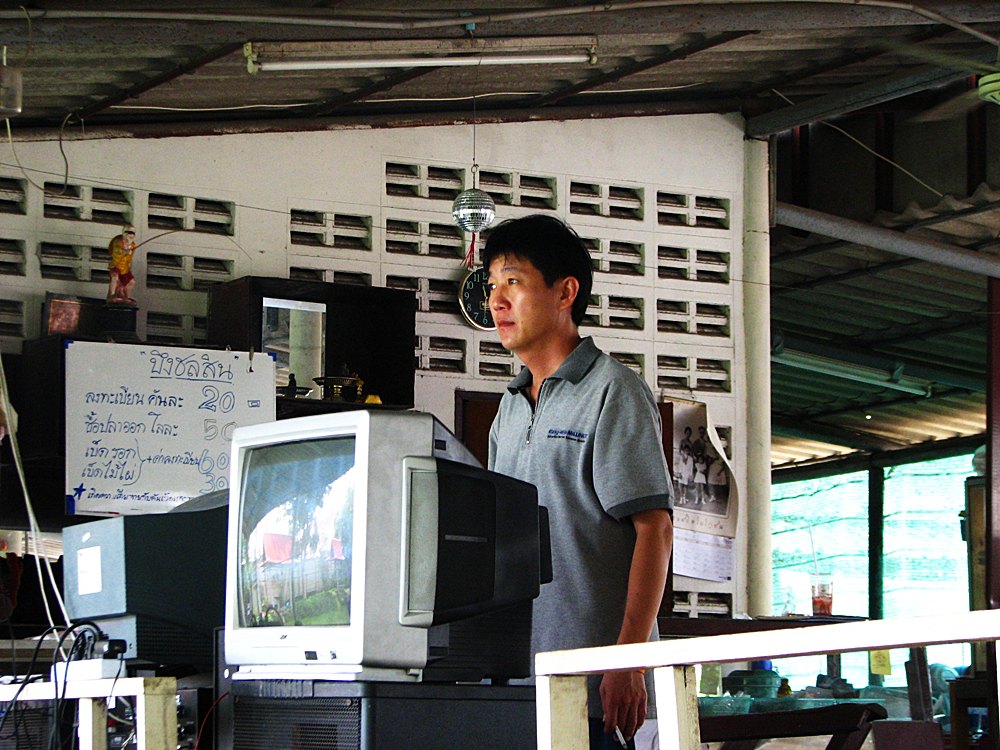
{"type": "Point", "coordinates": [630, 470]}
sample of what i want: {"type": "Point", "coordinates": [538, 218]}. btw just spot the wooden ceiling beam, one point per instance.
{"type": "Point", "coordinates": [810, 429]}
{"type": "Point", "coordinates": [858, 97]}
{"type": "Point", "coordinates": [639, 66]}
{"type": "Point", "coordinates": [331, 105]}
{"type": "Point", "coordinates": [869, 357]}
{"type": "Point", "coordinates": [940, 218]}
{"type": "Point", "coordinates": [158, 80]}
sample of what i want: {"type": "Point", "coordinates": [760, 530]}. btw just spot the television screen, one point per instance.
{"type": "Point", "coordinates": [296, 534]}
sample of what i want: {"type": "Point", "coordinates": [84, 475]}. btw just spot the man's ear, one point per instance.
{"type": "Point", "coordinates": [569, 287]}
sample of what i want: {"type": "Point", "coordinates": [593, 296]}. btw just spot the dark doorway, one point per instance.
{"type": "Point", "coordinates": [474, 413]}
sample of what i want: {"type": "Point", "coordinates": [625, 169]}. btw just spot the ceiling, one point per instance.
{"type": "Point", "coordinates": [874, 349]}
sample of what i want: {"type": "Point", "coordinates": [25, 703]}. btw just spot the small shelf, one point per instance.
{"type": "Point", "coordinates": [369, 330]}
{"type": "Point", "coordinates": [287, 408]}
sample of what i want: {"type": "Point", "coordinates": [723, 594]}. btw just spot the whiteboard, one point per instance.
{"type": "Point", "coordinates": [148, 427]}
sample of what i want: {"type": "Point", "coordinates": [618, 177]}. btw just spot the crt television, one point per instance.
{"type": "Point", "coordinates": [371, 545]}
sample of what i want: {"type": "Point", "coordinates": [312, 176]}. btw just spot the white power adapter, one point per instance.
{"type": "Point", "coordinates": [87, 669]}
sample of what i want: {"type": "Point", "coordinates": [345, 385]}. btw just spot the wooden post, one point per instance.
{"type": "Point", "coordinates": [677, 708]}
{"type": "Point", "coordinates": [561, 709]}
{"type": "Point", "coordinates": [918, 684]}
{"type": "Point", "coordinates": [92, 717]}
{"type": "Point", "coordinates": [155, 707]}
{"type": "Point", "coordinates": [992, 479]}
{"type": "Point", "coordinates": [155, 719]}
{"type": "Point", "coordinates": [561, 686]}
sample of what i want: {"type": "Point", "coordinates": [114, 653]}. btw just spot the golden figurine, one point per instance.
{"type": "Point", "coordinates": [121, 280]}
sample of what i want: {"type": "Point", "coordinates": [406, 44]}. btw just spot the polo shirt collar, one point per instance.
{"type": "Point", "coordinates": [573, 368]}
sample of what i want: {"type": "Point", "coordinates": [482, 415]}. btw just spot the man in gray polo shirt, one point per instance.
{"type": "Point", "coordinates": [585, 430]}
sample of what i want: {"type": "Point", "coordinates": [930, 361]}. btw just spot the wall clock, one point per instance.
{"type": "Point", "coordinates": [474, 300]}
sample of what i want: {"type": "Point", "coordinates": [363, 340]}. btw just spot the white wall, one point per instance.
{"type": "Point", "coordinates": [662, 196]}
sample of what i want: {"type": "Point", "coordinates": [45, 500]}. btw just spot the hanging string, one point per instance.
{"type": "Point", "coordinates": [470, 255]}
{"type": "Point", "coordinates": [473, 210]}
{"type": "Point", "coordinates": [475, 164]}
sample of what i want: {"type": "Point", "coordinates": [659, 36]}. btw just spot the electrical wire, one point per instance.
{"type": "Point", "coordinates": [287, 213]}
{"type": "Point", "coordinates": [31, 34]}
{"type": "Point", "coordinates": [14, 709]}
{"type": "Point", "coordinates": [10, 140]}
{"type": "Point", "coordinates": [361, 206]}
{"type": "Point", "coordinates": [121, 663]}
{"type": "Point", "coordinates": [290, 105]}
{"type": "Point", "coordinates": [29, 508]}
{"type": "Point", "coordinates": [872, 151]}
{"type": "Point", "coordinates": [65, 177]}
{"type": "Point", "coordinates": [62, 151]}
{"type": "Point", "coordinates": [94, 181]}
{"type": "Point", "coordinates": [13, 645]}
{"type": "Point", "coordinates": [245, 206]}
{"type": "Point", "coordinates": [204, 721]}
{"type": "Point", "coordinates": [401, 23]}
{"type": "Point", "coordinates": [128, 704]}
{"type": "Point", "coordinates": [462, 98]}
{"type": "Point", "coordinates": [85, 634]}
{"type": "Point", "coordinates": [467, 97]}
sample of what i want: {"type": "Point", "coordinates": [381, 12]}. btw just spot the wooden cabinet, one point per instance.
{"type": "Point", "coordinates": [368, 330]}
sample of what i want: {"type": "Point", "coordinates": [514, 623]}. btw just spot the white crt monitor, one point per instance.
{"type": "Point", "coordinates": [371, 545]}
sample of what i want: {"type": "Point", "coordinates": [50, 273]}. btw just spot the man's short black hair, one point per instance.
{"type": "Point", "coordinates": [549, 245]}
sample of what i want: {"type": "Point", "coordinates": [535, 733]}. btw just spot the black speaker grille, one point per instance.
{"type": "Point", "coordinates": [27, 725]}
{"type": "Point", "coordinates": [297, 724]}
{"type": "Point", "coordinates": [167, 643]}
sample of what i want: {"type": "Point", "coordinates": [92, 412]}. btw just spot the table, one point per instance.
{"type": "Point", "coordinates": [561, 687]}
{"type": "Point", "coordinates": [155, 707]}
{"type": "Point", "coordinates": [688, 627]}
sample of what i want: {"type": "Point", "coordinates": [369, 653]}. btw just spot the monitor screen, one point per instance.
{"type": "Point", "coordinates": [295, 540]}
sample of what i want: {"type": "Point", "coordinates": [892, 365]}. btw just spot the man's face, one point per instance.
{"type": "Point", "coordinates": [525, 310]}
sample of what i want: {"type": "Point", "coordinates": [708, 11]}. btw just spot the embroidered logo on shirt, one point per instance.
{"type": "Point", "coordinates": [579, 437]}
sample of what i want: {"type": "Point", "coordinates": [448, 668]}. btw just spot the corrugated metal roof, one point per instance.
{"type": "Point", "coordinates": [918, 327]}
{"type": "Point", "coordinates": [134, 63]}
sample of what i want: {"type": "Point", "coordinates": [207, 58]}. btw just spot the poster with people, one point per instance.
{"type": "Point", "coordinates": [704, 492]}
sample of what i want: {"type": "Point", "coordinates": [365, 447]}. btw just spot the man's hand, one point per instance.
{"type": "Point", "coordinates": [623, 698]}
{"type": "Point", "coordinates": [623, 694]}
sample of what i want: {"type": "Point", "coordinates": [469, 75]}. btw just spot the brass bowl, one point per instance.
{"type": "Point", "coordinates": [339, 388]}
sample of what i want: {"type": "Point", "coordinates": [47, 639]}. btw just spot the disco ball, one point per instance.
{"type": "Point", "coordinates": [473, 210]}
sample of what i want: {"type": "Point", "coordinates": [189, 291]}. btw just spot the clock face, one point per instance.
{"type": "Point", "coordinates": [474, 300]}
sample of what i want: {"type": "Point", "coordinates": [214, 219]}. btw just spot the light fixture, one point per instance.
{"type": "Point", "coordinates": [10, 89]}
{"type": "Point", "coordinates": [343, 63]}
{"type": "Point", "coordinates": [856, 373]}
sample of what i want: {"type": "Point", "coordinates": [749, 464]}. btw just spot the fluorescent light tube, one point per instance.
{"type": "Point", "coordinates": [422, 62]}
